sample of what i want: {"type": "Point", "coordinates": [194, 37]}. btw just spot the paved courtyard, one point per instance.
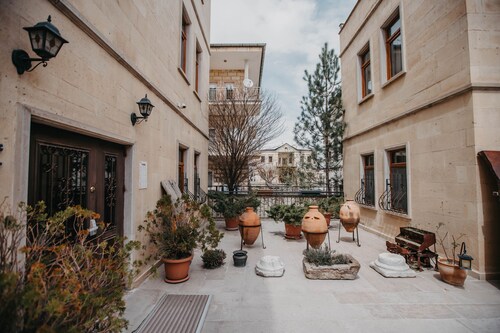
{"type": "Point", "coordinates": [245, 302]}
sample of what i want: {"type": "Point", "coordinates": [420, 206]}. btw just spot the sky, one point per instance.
{"type": "Point", "coordinates": [294, 32]}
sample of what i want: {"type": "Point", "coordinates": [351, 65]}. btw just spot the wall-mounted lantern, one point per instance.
{"type": "Point", "coordinates": [464, 260]}
{"type": "Point", "coordinates": [145, 108]}
{"type": "Point", "coordinates": [46, 41]}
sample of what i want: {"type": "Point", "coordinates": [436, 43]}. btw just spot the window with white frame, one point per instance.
{"type": "Point", "coordinates": [366, 193]}
{"type": "Point", "coordinates": [366, 73]}
{"type": "Point", "coordinates": [393, 51]}
{"type": "Point", "coordinates": [395, 196]}
{"type": "Point", "coordinates": [212, 92]}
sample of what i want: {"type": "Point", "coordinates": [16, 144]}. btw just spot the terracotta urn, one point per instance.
{"type": "Point", "coordinates": [232, 222]}
{"type": "Point", "coordinates": [451, 273]}
{"type": "Point", "coordinates": [249, 226]}
{"type": "Point", "coordinates": [177, 270]}
{"type": "Point", "coordinates": [349, 215]}
{"type": "Point", "coordinates": [314, 227]}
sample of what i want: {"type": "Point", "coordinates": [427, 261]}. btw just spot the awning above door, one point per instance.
{"type": "Point", "coordinates": [492, 159]}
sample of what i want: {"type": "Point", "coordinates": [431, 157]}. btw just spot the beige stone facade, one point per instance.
{"type": "Point", "coordinates": [441, 109]}
{"type": "Point", "coordinates": [117, 53]}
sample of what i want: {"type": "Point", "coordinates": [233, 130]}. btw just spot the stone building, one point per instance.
{"type": "Point", "coordinates": [67, 134]}
{"type": "Point", "coordinates": [422, 98]}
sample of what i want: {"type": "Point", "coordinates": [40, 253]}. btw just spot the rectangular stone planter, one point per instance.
{"type": "Point", "coordinates": [335, 272]}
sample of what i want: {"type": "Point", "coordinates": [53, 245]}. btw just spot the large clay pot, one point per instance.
{"type": "Point", "coordinates": [314, 227]}
{"type": "Point", "coordinates": [249, 226]}
{"type": "Point", "coordinates": [293, 231]}
{"type": "Point", "coordinates": [451, 273]}
{"type": "Point", "coordinates": [349, 215]}
{"type": "Point", "coordinates": [177, 270]}
{"type": "Point", "coordinates": [232, 222]}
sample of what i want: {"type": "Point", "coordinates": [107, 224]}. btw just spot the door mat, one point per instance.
{"type": "Point", "coordinates": [177, 313]}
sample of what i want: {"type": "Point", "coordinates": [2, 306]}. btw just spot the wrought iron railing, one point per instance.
{"type": "Point", "coordinates": [393, 200]}
{"type": "Point", "coordinates": [236, 94]}
{"type": "Point", "coordinates": [363, 197]}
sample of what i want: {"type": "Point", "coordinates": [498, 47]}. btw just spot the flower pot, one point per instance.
{"type": "Point", "coordinates": [328, 218]}
{"type": "Point", "coordinates": [293, 231]}
{"type": "Point", "coordinates": [240, 258]}
{"type": "Point", "coordinates": [232, 222]}
{"type": "Point", "coordinates": [177, 270]}
{"type": "Point", "coordinates": [314, 227]}
{"type": "Point", "coordinates": [349, 215]}
{"type": "Point", "coordinates": [451, 273]}
{"type": "Point", "coordinates": [249, 226]}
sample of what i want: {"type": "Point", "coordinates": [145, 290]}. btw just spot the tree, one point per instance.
{"type": "Point", "coordinates": [320, 126]}
{"type": "Point", "coordinates": [241, 123]}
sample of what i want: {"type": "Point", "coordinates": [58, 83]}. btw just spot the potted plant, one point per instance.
{"type": "Point", "coordinates": [231, 206]}
{"type": "Point", "coordinates": [330, 208]}
{"type": "Point", "coordinates": [448, 267]}
{"type": "Point", "coordinates": [209, 240]}
{"type": "Point", "coordinates": [324, 264]}
{"type": "Point", "coordinates": [291, 215]}
{"type": "Point", "coordinates": [174, 231]}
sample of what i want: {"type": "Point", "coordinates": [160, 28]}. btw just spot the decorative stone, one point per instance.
{"type": "Point", "coordinates": [335, 272]}
{"type": "Point", "coordinates": [392, 265]}
{"type": "Point", "coordinates": [270, 266]}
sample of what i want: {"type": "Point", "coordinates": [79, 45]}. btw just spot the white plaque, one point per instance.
{"type": "Point", "coordinates": [143, 175]}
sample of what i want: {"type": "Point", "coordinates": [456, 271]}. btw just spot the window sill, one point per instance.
{"type": "Point", "coordinates": [364, 99]}
{"type": "Point", "coordinates": [197, 96]}
{"type": "Point", "coordinates": [403, 216]}
{"type": "Point", "coordinates": [368, 207]}
{"type": "Point", "coordinates": [394, 78]}
{"type": "Point", "coordinates": [184, 75]}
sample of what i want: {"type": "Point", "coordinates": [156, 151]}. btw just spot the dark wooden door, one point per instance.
{"type": "Point", "coordinates": [71, 169]}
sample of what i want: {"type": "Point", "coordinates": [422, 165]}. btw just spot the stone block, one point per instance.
{"type": "Point", "coordinates": [392, 265]}
{"type": "Point", "coordinates": [336, 272]}
{"type": "Point", "coordinates": [270, 266]}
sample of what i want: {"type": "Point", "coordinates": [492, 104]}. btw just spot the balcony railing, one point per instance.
{"type": "Point", "coordinates": [234, 94]}
{"type": "Point", "coordinates": [394, 200]}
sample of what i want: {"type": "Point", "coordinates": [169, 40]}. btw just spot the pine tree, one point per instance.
{"type": "Point", "coordinates": [320, 126]}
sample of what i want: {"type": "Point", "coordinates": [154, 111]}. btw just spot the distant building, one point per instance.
{"type": "Point", "coordinates": [420, 87]}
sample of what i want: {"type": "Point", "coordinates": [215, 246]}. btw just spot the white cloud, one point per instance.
{"type": "Point", "coordinates": [294, 31]}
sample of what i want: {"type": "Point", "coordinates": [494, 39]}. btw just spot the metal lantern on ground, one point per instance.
{"type": "Point", "coordinates": [145, 109]}
{"type": "Point", "coordinates": [464, 260]}
{"type": "Point", "coordinates": [46, 42]}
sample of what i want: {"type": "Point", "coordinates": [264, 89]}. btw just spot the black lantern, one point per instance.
{"type": "Point", "coordinates": [464, 260]}
{"type": "Point", "coordinates": [145, 108]}
{"type": "Point", "coordinates": [46, 41]}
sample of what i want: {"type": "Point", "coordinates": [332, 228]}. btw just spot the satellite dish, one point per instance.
{"type": "Point", "coordinates": [248, 83]}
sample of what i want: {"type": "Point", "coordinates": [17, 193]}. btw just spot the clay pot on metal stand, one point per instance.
{"type": "Point", "coordinates": [249, 226]}
{"type": "Point", "coordinates": [314, 227]}
{"type": "Point", "coordinates": [349, 215]}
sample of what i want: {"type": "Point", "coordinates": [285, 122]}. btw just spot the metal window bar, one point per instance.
{"type": "Point", "coordinates": [393, 200]}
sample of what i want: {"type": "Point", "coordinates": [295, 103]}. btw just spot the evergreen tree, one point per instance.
{"type": "Point", "coordinates": [320, 126]}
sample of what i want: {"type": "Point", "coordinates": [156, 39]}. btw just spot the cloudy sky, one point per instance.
{"type": "Point", "coordinates": [294, 31]}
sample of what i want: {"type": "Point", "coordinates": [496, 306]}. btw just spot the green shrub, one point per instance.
{"type": "Point", "coordinates": [231, 205]}
{"type": "Point", "coordinates": [68, 282]}
{"type": "Point", "coordinates": [331, 205]}
{"type": "Point", "coordinates": [324, 257]}
{"type": "Point", "coordinates": [213, 258]}
{"type": "Point", "coordinates": [289, 214]}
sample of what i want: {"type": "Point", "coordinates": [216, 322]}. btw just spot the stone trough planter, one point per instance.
{"type": "Point", "coordinates": [335, 272]}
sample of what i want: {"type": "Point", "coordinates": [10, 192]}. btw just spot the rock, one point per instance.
{"type": "Point", "coordinates": [270, 266]}
{"type": "Point", "coordinates": [335, 272]}
{"type": "Point", "coordinates": [392, 265]}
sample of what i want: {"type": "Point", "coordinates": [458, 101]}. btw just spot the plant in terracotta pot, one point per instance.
{"type": "Point", "coordinates": [231, 206]}
{"type": "Point", "coordinates": [291, 215]}
{"type": "Point", "coordinates": [330, 208]}
{"type": "Point", "coordinates": [448, 267]}
{"type": "Point", "coordinates": [174, 230]}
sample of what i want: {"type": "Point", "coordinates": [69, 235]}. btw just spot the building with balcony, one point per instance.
{"type": "Point", "coordinates": [422, 98]}
{"type": "Point", "coordinates": [67, 132]}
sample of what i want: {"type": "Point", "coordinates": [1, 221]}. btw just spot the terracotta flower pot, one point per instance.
{"type": "Point", "coordinates": [293, 231]}
{"type": "Point", "coordinates": [451, 273]}
{"type": "Point", "coordinates": [314, 227]}
{"type": "Point", "coordinates": [249, 226]}
{"type": "Point", "coordinates": [328, 218]}
{"type": "Point", "coordinates": [232, 222]}
{"type": "Point", "coordinates": [177, 270]}
{"type": "Point", "coordinates": [349, 215]}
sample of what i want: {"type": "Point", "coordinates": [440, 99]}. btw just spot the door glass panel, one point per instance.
{"type": "Point", "coordinates": [110, 185]}
{"type": "Point", "coordinates": [62, 179]}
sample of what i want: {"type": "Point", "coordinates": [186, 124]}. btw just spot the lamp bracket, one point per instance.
{"type": "Point", "coordinates": [135, 119]}
{"type": "Point", "coordinates": [22, 61]}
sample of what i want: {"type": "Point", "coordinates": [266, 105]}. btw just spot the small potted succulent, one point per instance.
{"type": "Point", "coordinates": [291, 215]}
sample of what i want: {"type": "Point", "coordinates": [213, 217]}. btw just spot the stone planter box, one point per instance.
{"type": "Point", "coordinates": [335, 272]}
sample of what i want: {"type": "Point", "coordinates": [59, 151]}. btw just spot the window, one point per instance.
{"type": "Point", "coordinates": [309, 158]}
{"type": "Point", "coordinates": [393, 46]}
{"type": "Point", "coordinates": [229, 91]}
{"type": "Point", "coordinates": [197, 67]}
{"type": "Point", "coordinates": [366, 75]}
{"type": "Point", "coordinates": [397, 179]}
{"type": "Point", "coordinates": [369, 179]}
{"type": "Point", "coordinates": [290, 160]}
{"type": "Point", "coordinates": [270, 159]}
{"type": "Point", "coordinates": [184, 39]}
{"type": "Point", "coordinates": [262, 159]}
{"type": "Point", "coordinates": [212, 92]}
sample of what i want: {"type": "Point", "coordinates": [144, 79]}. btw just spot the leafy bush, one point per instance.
{"type": "Point", "coordinates": [213, 258]}
{"type": "Point", "coordinates": [68, 282]}
{"type": "Point", "coordinates": [331, 205]}
{"type": "Point", "coordinates": [230, 205]}
{"type": "Point", "coordinates": [289, 214]}
{"type": "Point", "coordinates": [324, 257]}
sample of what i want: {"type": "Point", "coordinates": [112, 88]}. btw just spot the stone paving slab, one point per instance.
{"type": "Point", "coordinates": [245, 302]}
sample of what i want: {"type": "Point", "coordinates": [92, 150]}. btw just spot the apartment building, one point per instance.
{"type": "Point", "coordinates": [422, 98]}
{"type": "Point", "coordinates": [72, 132]}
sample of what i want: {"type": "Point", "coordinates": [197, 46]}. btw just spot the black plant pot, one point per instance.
{"type": "Point", "coordinates": [240, 258]}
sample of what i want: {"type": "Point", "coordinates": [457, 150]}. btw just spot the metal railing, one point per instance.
{"type": "Point", "coordinates": [364, 198]}
{"type": "Point", "coordinates": [393, 200]}
{"type": "Point", "coordinates": [236, 94]}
